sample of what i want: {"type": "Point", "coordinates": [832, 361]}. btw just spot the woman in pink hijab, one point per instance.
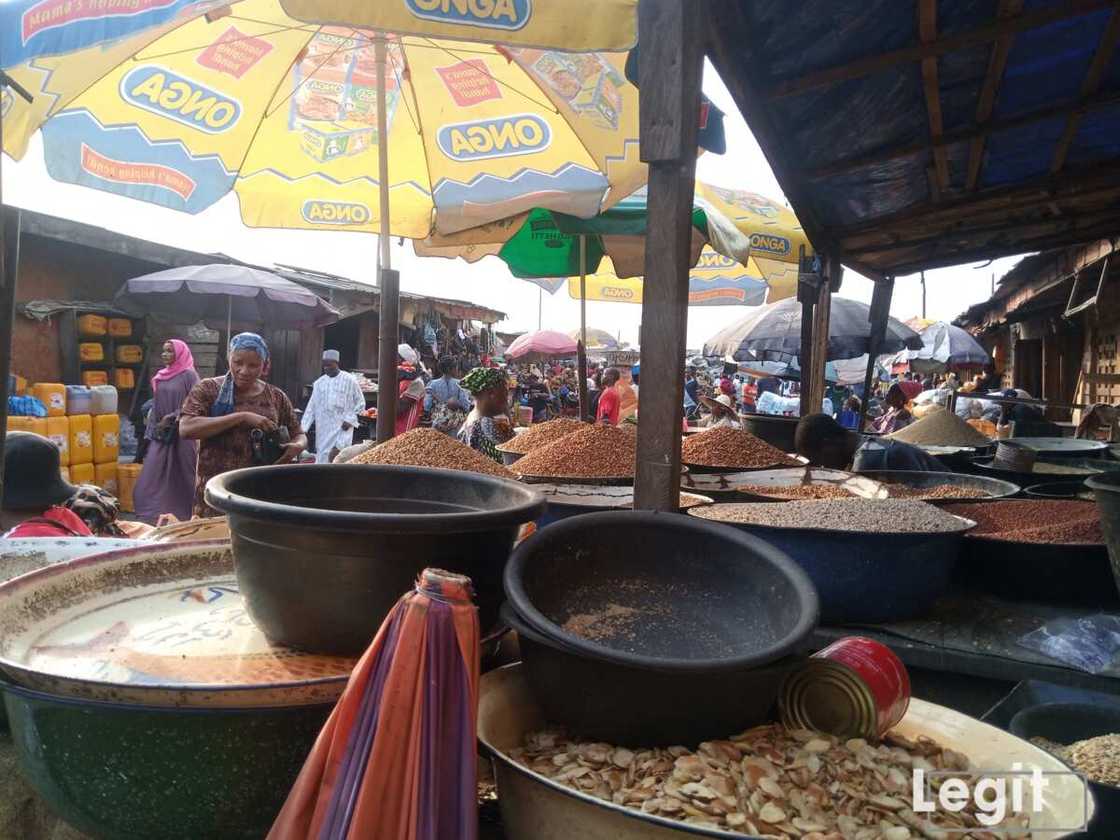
{"type": "Point", "coordinates": [166, 483]}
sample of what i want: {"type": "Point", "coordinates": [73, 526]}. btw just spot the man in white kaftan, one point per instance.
{"type": "Point", "coordinates": [336, 400]}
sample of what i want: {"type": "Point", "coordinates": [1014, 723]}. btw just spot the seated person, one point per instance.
{"type": "Point", "coordinates": [897, 415]}
{"type": "Point", "coordinates": [828, 444]}
{"type": "Point", "coordinates": [723, 414]}
{"type": "Point", "coordinates": [34, 492]}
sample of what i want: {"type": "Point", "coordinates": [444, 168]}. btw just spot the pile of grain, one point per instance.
{"type": "Point", "coordinates": [611, 621]}
{"type": "Point", "coordinates": [940, 428]}
{"type": "Point", "coordinates": [888, 516]}
{"type": "Point", "coordinates": [541, 434]}
{"type": "Point", "coordinates": [1098, 758]}
{"type": "Point", "coordinates": [592, 451]}
{"type": "Point", "coordinates": [733, 449]}
{"type": "Point", "coordinates": [426, 448]}
{"type": "Point", "coordinates": [795, 491]}
{"type": "Point", "coordinates": [1055, 521]}
{"type": "Point", "coordinates": [936, 491]}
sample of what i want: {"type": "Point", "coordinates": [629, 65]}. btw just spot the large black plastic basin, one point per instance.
{"type": "Point", "coordinates": [719, 617]}
{"type": "Point", "coordinates": [323, 552]}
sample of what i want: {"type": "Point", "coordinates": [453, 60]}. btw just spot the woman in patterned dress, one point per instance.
{"type": "Point", "coordinates": [487, 426]}
{"type": "Point", "coordinates": [223, 411]}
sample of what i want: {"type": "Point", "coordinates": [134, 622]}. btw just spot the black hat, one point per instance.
{"type": "Point", "coordinates": [33, 473]}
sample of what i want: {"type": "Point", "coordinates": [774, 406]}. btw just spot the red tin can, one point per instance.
{"type": "Point", "coordinates": [856, 687]}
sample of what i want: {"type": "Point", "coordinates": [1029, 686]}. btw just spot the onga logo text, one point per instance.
{"type": "Point", "coordinates": [770, 244]}
{"type": "Point", "coordinates": [519, 134]}
{"type": "Point", "coordinates": [318, 212]}
{"type": "Point", "coordinates": [181, 99]}
{"type": "Point", "coordinates": [712, 259]}
{"type": "Point", "coordinates": [493, 14]}
{"type": "Point", "coordinates": [615, 293]}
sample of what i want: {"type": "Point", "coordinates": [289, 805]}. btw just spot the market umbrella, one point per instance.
{"type": "Point", "coordinates": [398, 758]}
{"type": "Point", "coordinates": [736, 224]}
{"type": "Point", "coordinates": [223, 295]}
{"type": "Point", "coordinates": [179, 103]}
{"type": "Point", "coordinates": [715, 280]}
{"type": "Point", "coordinates": [944, 346]}
{"type": "Point", "coordinates": [545, 344]}
{"type": "Point", "coordinates": [773, 331]}
{"type": "Point", "coordinates": [785, 370]}
{"type": "Point", "coordinates": [596, 339]}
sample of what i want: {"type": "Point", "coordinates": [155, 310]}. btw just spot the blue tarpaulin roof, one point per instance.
{"type": "Point", "coordinates": [914, 133]}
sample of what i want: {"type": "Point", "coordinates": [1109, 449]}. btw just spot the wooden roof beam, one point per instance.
{"type": "Point", "coordinates": [1033, 19]}
{"type": "Point", "coordinates": [997, 63]}
{"type": "Point", "coordinates": [1106, 47]}
{"type": "Point", "coordinates": [927, 32]}
{"type": "Point", "coordinates": [856, 162]}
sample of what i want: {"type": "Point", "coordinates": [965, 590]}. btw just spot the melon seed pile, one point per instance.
{"type": "Point", "coordinates": [1098, 758]}
{"type": "Point", "coordinates": [427, 448]}
{"type": "Point", "coordinates": [886, 516]}
{"type": "Point", "coordinates": [940, 428]}
{"type": "Point", "coordinates": [593, 451]}
{"type": "Point", "coordinates": [767, 781]}
{"type": "Point", "coordinates": [732, 449]}
{"type": "Point", "coordinates": [1054, 521]}
{"type": "Point", "coordinates": [541, 434]}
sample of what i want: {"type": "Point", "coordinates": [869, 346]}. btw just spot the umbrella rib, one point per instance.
{"type": "Point", "coordinates": [336, 51]}
{"type": "Point", "coordinates": [277, 31]}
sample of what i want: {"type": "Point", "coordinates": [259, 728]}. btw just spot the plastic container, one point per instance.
{"type": "Point", "coordinates": [120, 327]}
{"type": "Point", "coordinates": [106, 439]}
{"type": "Point", "coordinates": [124, 379]}
{"type": "Point", "coordinates": [82, 473]}
{"type": "Point", "coordinates": [78, 400]}
{"type": "Point", "coordinates": [81, 439]}
{"type": "Point", "coordinates": [130, 354]}
{"type": "Point", "coordinates": [93, 325]}
{"type": "Point", "coordinates": [103, 399]}
{"type": "Point", "coordinates": [127, 476]}
{"type": "Point", "coordinates": [95, 378]}
{"type": "Point", "coordinates": [19, 424]}
{"type": "Point", "coordinates": [712, 620]}
{"type": "Point", "coordinates": [38, 425]}
{"type": "Point", "coordinates": [58, 432]}
{"type": "Point", "coordinates": [105, 477]}
{"type": "Point", "coordinates": [91, 351]}
{"type": "Point", "coordinates": [53, 397]}
{"type": "Point", "coordinates": [323, 552]}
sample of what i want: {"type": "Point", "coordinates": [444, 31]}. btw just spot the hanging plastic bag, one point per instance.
{"type": "Point", "coordinates": [1089, 644]}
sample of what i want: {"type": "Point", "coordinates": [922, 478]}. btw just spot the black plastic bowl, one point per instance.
{"type": "Point", "coordinates": [323, 552]}
{"type": "Point", "coordinates": [1067, 723]}
{"type": "Point", "coordinates": [719, 616]}
{"type": "Point", "coordinates": [1106, 489]}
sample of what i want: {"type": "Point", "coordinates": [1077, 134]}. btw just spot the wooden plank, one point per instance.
{"type": "Point", "coordinates": [997, 63]}
{"type": "Point", "coordinates": [1102, 59]}
{"type": "Point", "coordinates": [670, 68]}
{"type": "Point", "coordinates": [1033, 19]}
{"type": "Point", "coordinates": [822, 313]}
{"type": "Point", "coordinates": [808, 369]}
{"type": "Point", "coordinates": [880, 311]}
{"type": "Point", "coordinates": [927, 32]}
{"type": "Point", "coordinates": [9, 277]}
{"type": "Point", "coordinates": [388, 337]}
{"type": "Point", "coordinates": [884, 155]}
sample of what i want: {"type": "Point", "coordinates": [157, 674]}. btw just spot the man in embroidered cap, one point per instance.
{"type": "Point", "coordinates": [336, 400]}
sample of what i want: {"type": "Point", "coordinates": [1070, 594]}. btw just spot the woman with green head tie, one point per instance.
{"type": "Point", "coordinates": [223, 414]}
{"type": "Point", "coordinates": [487, 426]}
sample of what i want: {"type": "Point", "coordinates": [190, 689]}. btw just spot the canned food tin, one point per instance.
{"type": "Point", "coordinates": [856, 687]}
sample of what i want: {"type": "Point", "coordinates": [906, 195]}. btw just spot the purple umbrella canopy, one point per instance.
{"type": "Point", "coordinates": [221, 294]}
{"type": "Point", "coordinates": [944, 346]}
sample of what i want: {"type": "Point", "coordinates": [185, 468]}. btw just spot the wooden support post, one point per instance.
{"type": "Point", "coordinates": [581, 347]}
{"type": "Point", "coordinates": [670, 67]}
{"type": "Point", "coordinates": [807, 294]}
{"type": "Point", "coordinates": [9, 271]}
{"type": "Point", "coordinates": [880, 311]}
{"type": "Point", "coordinates": [388, 281]}
{"type": "Point", "coordinates": [821, 316]}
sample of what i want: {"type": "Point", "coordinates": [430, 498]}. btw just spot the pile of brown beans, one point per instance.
{"type": "Point", "coordinates": [733, 449]}
{"type": "Point", "coordinates": [1054, 521]}
{"type": "Point", "coordinates": [427, 448]}
{"type": "Point", "coordinates": [593, 451]}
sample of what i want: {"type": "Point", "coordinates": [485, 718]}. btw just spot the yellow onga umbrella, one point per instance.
{"type": "Point", "coordinates": [715, 280]}
{"type": "Point", "coordinates": [178, 103]}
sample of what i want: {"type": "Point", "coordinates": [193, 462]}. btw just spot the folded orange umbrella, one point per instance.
{"type": "Point", "coordinates": [396, 760]}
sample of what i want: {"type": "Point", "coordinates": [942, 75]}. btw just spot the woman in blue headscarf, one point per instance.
{"type": "Point", "coordinates": [226, 412]}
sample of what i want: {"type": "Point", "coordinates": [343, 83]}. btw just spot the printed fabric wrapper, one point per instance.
{"type": "Point", "coordinates": [396, 760]}
{"type": "Point", "coordinates": [1088, 644]}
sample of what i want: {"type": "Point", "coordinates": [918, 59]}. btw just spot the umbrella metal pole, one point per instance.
{"type": "Point", "coordinates": [388, 280]}
{"type": "Point", "coordinates": [229, 320]}
{"type": "Point", "coordinates": [9, 271]}
{"type": "Point", "coordinates": [878, 314]}
{"type": "Point", "coordinates": [582, 348]}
